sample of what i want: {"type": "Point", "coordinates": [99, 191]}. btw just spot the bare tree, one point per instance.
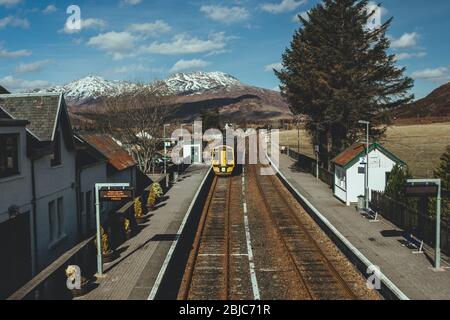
{"type": "Point", "coordinates": [136, 118]}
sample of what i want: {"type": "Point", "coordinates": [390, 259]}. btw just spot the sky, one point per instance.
{"type": "Point", "coordinates": [145, 40]}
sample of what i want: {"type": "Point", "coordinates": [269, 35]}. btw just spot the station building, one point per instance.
{"type": "Point", "coordinates": [350, 166]}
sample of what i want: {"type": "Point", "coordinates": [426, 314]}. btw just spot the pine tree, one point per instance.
{"type": "Point", "coordinates": [337, 71]}
{"type": "Point", "coordinates": [395, 188]}
{"type": "Point", "coordinates": [443, 172]}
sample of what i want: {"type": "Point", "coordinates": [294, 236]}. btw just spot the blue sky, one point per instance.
{"type": "Point", "coordinates": [144, 40]}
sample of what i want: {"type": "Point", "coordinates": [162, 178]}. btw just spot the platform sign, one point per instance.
{"type": "Point", "coordinates": [423, 189]}
{"type": "Point", "coordinates": [115, 194]}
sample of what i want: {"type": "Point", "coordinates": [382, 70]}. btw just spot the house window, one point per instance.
{"type": "Point", "coordinates": [56, 156]}
{"type": "Point", "coordinates": [56, 219]}
{"type": "Point", "coordinates": [9, 155]}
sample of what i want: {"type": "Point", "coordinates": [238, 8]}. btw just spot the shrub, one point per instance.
{"type": "Point", "coordinates": [104, 241]}
{"type": "Point", "coordinates": [442, 172]}
{"type": "Point", "coordinates": [138, 208]}
{"type": "Point", "coordinates": [126, 225]}
{"type": "Point", "coordinates": [151, 198]}
{"type": "Point", "coordinates": [156, 188]}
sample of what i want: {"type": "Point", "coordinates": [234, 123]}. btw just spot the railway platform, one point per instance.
{"type": "Point", "coordinates": [381, 242]}
{"type": "Point", "coordinates": [132, 275]}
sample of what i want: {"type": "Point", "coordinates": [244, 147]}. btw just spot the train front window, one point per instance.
{"type": "Point", "coordinates": [230, 156]}
{"type": "Point", "coordinates": [216, 155]}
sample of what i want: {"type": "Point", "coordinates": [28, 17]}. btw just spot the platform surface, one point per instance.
{"type": "Point", "coordinates": [132, 275]}
{"type": "Point", "coordinates": [381, 242]}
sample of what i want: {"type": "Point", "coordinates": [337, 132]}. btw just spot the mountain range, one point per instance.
{"type": "Point", "coordinates": [193, 93]}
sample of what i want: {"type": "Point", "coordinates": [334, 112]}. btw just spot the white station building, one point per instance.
{"type": "Point", "coordinates": [349, 173]}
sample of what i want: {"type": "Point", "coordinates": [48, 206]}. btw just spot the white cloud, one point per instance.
{"type": "Point", "coordinates": [90, 23]}
{"type": "Point", "coordinates": [14, 22]}
{"type": "Point", "coordinates": [226, 15]}
{"type": "Point", "coordinates": [436, 74]}
{"type": "Point", "coordinates": [16, 84]}
{"type": "Point", "coordinates": [31, 67]}
{"type": "Point", "coordinates": [277, 66]}
{"type": "Point", "coordinates": [183, 65]}
{"type": "Point", "coordinates": [283, 6]}
{"type": "Point", "coordinates": [407, 40]}
{"type": "Point", "coordinates": [407, 55]}
{"type": "Point", "coordinates": [50, 9]}
{"type": "Point", "coordinates": [118, 44]}
{"type": "Point", "coordinates": [130, 2]}
{"type": "Point", "coordinates": [13, 54]}
{"type": "Point", "coordinates": [9, 3]}
{"type": "Point", "coordinates": [184, 44]}
{"type": "Point", "coordinates": [150, 29]}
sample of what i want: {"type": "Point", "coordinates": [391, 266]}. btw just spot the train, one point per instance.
{"type": "Point", "coordinates": [224, 160]}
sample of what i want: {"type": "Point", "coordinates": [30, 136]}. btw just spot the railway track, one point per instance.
{"type": "Point", "coordinates": [316, 273]}
{"type": "Point", "coordinates": [291, 259]}
{"type": "Point", "coordinates": [207, 274]}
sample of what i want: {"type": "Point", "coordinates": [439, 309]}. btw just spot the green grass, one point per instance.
{"type": "Point", "coordinates": [420, 146]}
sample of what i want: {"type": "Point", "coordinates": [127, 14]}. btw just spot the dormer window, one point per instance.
{"type": "Point", "coordinates": [56, 156]}
{"type": "Point", "coordinates": [9, 155]}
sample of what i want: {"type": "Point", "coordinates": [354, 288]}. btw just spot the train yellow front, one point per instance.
{"type": "Point", "coordinates": [223, 160]}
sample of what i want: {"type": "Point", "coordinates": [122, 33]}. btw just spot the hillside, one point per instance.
{"type": "Point", "coordinates": [193, 93]}
{"type": "Point", "coordinates": [435, 105]}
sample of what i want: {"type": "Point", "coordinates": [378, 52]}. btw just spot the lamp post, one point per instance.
{"type": "Point", "coordinates": [165, 153]}
{"type": "Point", "coordinates": [165, 148]}
{"type": "Point", "coordinates": [366, 172]}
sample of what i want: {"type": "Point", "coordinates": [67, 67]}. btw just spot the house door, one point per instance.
{"type": "Point", "coordinates": [15, 254]}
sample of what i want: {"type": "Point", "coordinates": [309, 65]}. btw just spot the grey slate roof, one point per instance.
{"type": "Point", "coordinates": [41, 110]}
{"type": "Point", "coordinates": [3, 90]}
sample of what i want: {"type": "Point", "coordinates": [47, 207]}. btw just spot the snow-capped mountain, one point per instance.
{"type": "Point", "coordinates": [91, 88]}
{"type": "Point", "coordinates": [194, 92]}
{"type": "Point", "coordinates": [198, 82]}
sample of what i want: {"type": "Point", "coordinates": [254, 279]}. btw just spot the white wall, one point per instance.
{"type": "Point", "coordinates": [16, 190]}
{"type": "Point", "coordinates": [51, 184]}
{"type": "Point", "coordinates": [88, 178]}
{"type": "Point", "coordinates": [379, 165]}
{"type": "Point", "coordinates": [340, 184]}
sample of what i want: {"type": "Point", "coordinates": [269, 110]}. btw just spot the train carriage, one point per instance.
{"type": "Point", "coordinates": [223, 160]}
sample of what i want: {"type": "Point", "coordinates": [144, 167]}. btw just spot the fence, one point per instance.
{"type": "Point", "coordinates": [419, 224]}
{"type": "Point", "coordinates": [309, 165]}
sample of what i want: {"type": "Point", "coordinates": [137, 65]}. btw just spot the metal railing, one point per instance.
{"type": "Point", "coordinates": [309, 165]}
{"type": "Point", "coordinates": [50, 283]}
{"type": "Point", "coordinates": [419, 224]}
